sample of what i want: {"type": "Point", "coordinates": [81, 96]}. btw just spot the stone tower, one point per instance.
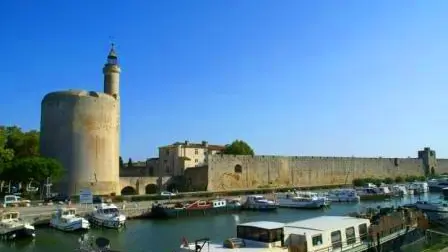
{"type": "Point", "coordinates": [111, 71]}
{"type": "Point", "coordinates": [429, 160]}
{"type": "Point", "coordinates": [81, 129]}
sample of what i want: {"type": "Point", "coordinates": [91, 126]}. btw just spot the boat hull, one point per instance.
{"type": "Point", "coordinates": [71, 227]}
{"type": "Point", "coordinates": [20, 233]}
{"type": "Point", "coordinates": [302, 205]}
{"type": "Point", "coordinates": [375, 196]}
{"type": "Point", "coordinates": [253, 207]}
{"type": "Point", "coordinates": [106, 223]}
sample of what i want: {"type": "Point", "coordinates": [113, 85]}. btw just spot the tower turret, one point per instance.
{"type": "Point", "coordinates": [111, 71]}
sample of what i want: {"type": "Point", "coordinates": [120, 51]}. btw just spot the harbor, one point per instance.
{"type": "Point", "coordinates": [149, 234]}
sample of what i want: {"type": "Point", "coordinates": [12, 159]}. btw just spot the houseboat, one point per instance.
{"type": "Point", "coordinates": [259, 203]}
{"type": "Point", "coordinates": [65, 219]}
{"type": "Point", "coordinates": [293, 200]}
{"type": "Point", "coordinates": [107, 215]}
{"type": "Point", "coordinates": [343, 195]}
{"type": "Point", "coordinates": [435, 185]}
{"type": "Point", "coordinates": [193, 208]}
{"type": "Point", "coordinates": [325, 233]}
{"type": "Point", "coordinates": [11, 227]}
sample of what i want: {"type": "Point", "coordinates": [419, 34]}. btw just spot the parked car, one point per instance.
{"type": "Point", "coordinates": [57, 198]}
{"type": "Point", "coordinates": [14, 200]}
{"type": "Point", "coordinates": [97, 200]}
{"type": "Point", "coordinates": [167, 194]}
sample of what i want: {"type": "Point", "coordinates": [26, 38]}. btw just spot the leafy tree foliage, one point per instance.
{"type": "Point", "coordinates": [120, 162]}
{"type": "Point", "coordinates": [130, 163]}
{"type": "Point", "coordinates": [20, 159]}
{"type": "Point", "coordinates": [238, 147]}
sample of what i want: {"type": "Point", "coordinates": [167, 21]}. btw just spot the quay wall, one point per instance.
{"type": "Point", "coordinates": [231, 172]}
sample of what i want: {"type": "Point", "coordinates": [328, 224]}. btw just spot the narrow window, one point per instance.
{"type": "Point", "coordinates": [317, 240]}
{"type": "Point", "coordinates": [238, 168]}
{"type": "Point", "coordinates": [350, 235]}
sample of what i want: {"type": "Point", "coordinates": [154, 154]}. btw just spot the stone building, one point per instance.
{"type": "Point", "coordinates": [175, 158]}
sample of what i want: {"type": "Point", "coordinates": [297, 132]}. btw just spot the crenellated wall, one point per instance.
{"type": "Point", "coordinates": [260, 171]}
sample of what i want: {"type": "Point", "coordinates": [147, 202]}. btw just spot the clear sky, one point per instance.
{"type": "Point", "coordinates": [331, 78]}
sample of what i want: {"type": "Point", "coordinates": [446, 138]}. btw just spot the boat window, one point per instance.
{"type": "Point", "coordinates": [350, 235]}
{"type": "Point", "coordinates": [317, 240]}
{"type": "Point", "coordinates": [336, 239]}
{"type": "Point", "coordinates": [363, 232]}
{"type": "Point", "coordinates": [110, 210]}
{"type": "Point", "coordinates": [259, 234]}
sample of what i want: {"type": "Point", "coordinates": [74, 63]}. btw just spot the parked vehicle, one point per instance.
{"type": "Point", "coordinates": [14, 200]}
{"type": "Point", "coordinates": [167, 194]}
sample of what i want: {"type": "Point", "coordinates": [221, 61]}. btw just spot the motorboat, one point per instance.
{"type": "Point", "coordinates": [437, 184]}
{"type": "Point", "coordinates": [260, 203]}
{"type": "Point", "coordinates": [12, 227]}
{"type": "Point", "coordinates": [422, 187]}
{"type": "Point", "coordinates": [373, 193]}
{"type": "Point", "coordinates": [399, 190]}
{"type": "Point", "coordinates": [343, 195]}
{"type": "Point", "coordinates": [295, 200]}
{"type": "Point", "coordinates": [426, 206]}
{"type": "Point", "coordinates": [107, 215]}
{"type": "Point", "coordinates": [65, 219]}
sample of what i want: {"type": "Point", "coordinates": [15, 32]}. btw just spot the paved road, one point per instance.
{"type": "Point", "coordinates": [40, 210]}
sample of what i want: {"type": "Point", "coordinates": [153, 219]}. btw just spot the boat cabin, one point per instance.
{"type": "Point", "coordinates": [9, 216]}
{"type": "Point", "coordinates": [327, 233]}
{"type": "Point", "coordinates": [61, 212]}
{"type": "Point", "coordinates": [107, 209]}
{"type": "Point", "coordinates": [259, 234]}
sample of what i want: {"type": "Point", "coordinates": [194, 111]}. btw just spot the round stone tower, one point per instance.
{"type": "Point", "coordinates": [81, 129]}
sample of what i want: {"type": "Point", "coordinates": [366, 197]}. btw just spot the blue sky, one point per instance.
{"type": "Point", "coordinates": [331, 78]}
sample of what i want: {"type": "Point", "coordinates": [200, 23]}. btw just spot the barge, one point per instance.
{"type": "Point", "coordinates": [199, 207]}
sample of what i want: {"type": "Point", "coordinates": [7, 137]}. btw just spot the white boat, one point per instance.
{"type": "Point", "coordinates": [259, 202]}
{"type": "Point", "coordinates": [65, 219]}
{"type": "Point", "coordinates": [295, 200]}
{"type": "Point", "coordinates": [343, 195]}
{"type": "Point", "coordinates": [426, 206]}
{"type": "Point", "coordinates": [423, 187]}
{"type": "Point", "coordinates": [107, 215]}
{"type": "Point", "coordinates": [399, 190]}
{"type": "Point", "coordinates": [12, 227]}
{"type": "Point", "coordinates": [325, 233]}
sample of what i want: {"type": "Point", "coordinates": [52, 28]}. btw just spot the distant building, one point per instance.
{"type": "Point", "coordinates": [175, 158]}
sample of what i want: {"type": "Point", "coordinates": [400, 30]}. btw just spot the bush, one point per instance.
{"type": "Point", "coordinates": [388, 181]}
{"type": "Point", "coordinates": [399, 179]}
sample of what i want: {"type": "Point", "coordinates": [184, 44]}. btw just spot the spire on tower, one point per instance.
{"type": "Point", "coordinates": [112, 57]}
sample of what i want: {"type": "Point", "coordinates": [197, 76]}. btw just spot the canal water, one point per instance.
{"type": "Point", "coordinates": [166, 235]}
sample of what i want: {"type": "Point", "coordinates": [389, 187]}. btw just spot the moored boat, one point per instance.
{"type": "Point", "coordinates": [259, 203]}
{"type": "Point", "coordinates": [343, 195]}
{"type": "Point", "coordinates": [198, 207]}
{"type": "Point", "coordinates": [426, 206]}
{"type": "Point", "coordinates": [325, 233]}
{"type": "Point", "coordinates": [12, 227]}
{"type": "Point", "coordinates": [399, 190]}
{"type": "Point", "coordinates": [373, 193]}
{"type": "Point", "coordinates": [65, 219]}
{"type": "Point", "coordinates": [294, 200]}
{"type": "Point", "coordinates": [107, 215]}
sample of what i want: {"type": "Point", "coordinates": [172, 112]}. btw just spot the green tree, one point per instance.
{"type": "Point", "coordinates": [6, 155]}
{"type": "Point", "coordinates": [130, 163]}
{"type": "Point", "coordinates": [120, 162]}
{"type": "Point", "coordinates": [24, 144]}
{"type": "Point", "coordinates": [238, 147]}
{"type": "Point", "coordinates": [399, 179]}
{"type": "Point", "coordinates": [33, 169]}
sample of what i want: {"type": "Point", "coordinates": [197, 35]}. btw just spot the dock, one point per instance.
{"type": "Point", "coordinates": [42, 218]}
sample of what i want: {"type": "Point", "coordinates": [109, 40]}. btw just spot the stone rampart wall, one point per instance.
{"type": "Point", "coordinates": [229, 172]}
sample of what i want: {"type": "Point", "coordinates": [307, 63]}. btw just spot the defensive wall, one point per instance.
{"type": "Point", "coordinates": [144, 185]}
{"type": "Point", "coordinates": [230, 172]}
